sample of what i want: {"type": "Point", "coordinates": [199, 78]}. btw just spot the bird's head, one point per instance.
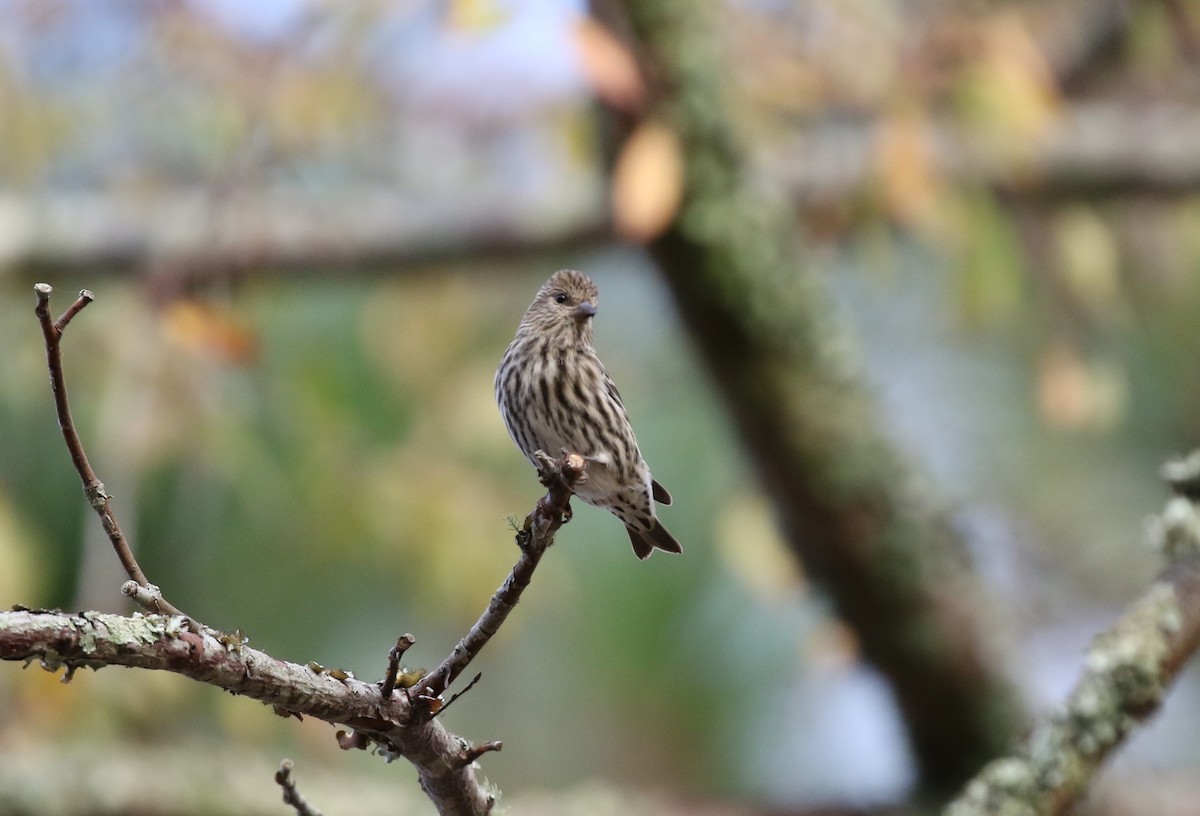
{"type": "Point", "coordinates": [564, 307]}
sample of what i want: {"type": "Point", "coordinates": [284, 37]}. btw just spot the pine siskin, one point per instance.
{"type": "Point", "coordinates": [554, 393]}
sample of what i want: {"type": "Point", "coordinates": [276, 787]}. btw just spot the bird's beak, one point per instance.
{"type": "Point", "coordinates": [584, 310]}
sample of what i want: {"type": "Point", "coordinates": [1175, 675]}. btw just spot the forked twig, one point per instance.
{"type": "Point", "coordinates": [52, 330]}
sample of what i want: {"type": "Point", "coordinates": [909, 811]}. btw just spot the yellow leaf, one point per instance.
{"type": "Point", "coordinates": [18, 555]}
{"type": "Point", "coordinates": [647, 185]}
{"type": "Point", "coordinates": [476, 15]}
{"type": "Point", "coordinates": [908, 178]}
{"type": "Point", "coordinates": [1011, 88]}
{"type": "Point", "coordinates": [750, 543]}
{"type": "Point", "coordinates": [1088, 259]}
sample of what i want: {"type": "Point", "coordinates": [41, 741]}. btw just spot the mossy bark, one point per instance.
{"type": "Point", "coordinates": [1126, 676]}
{"type": "Point", "coordinates": [850, 506]}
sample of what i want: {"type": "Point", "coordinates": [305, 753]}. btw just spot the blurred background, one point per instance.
{"type": "Point", "coordinates": [312, 227]}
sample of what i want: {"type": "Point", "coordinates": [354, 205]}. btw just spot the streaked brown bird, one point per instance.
{"type": "Point", "coordinates": [554, 393]}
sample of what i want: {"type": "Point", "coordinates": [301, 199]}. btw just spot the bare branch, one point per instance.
{"type": "Point", "coordinates": [536, 534]}
{"type": "Point", "coordinates": [169, 643]}
{"type": "Point", "coordinates": [93, 488]}
{"type": "Point", "coordinates": [291, 796]}
{"type": "Point", "coordinates": [374, 714]}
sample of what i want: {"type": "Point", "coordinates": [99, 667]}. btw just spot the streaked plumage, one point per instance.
{"type": "Point", "coordinates": [554, 393]}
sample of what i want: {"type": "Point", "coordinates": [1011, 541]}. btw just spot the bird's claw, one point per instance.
{"type": "Point", "coordinates": [547, 467]}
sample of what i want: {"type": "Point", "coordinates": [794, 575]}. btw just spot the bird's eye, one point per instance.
{"type": "Point", "coordinates": [560, 298]}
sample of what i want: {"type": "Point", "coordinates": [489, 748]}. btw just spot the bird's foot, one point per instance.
{"type": "Point", "coordinates": [548, 468]}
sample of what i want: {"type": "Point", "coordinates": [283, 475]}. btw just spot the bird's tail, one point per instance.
{"type": "Point", "coordinates": [647, 541]}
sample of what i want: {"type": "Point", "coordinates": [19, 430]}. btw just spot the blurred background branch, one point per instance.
{"type": "Point", "coordinates": [1095, 149]}
{"type": "Point", "coordinates": [1127, 673]}
{"type": "Point", "coordinates": [850, 507]}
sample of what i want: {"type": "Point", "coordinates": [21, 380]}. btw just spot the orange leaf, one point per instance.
{"type": "Point", "coordinates": [647, 185]}
{"type": "Point", "coordinates": [207, 330]}
{"type": "Point", "coordinates": [610, 67]}
{"type": "Point", "coordinates": [1063, 394]}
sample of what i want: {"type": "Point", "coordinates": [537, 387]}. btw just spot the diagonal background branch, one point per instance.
{"type": "Point", "coordinates": [1126, 676]}
{"type": "Point", "coordinates": [851, 509]}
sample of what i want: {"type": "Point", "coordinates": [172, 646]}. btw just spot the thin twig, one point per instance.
{"type": "Point", "coordinates": [456, 695]}
{"type": "Point", "coordinates": [474, 752]}
{"type": "Point", "coordinates": [536, 534]}
{"type": "Point", "coordinates": [85, 297]}
{"type": "Point", "coordinates": [403, 644]}
{"type": "Point", "coordinates": [93, 488]}
{"type": "Point", "coordinates": [291, 796]}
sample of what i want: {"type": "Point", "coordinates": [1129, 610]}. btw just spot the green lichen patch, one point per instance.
{"type": "Point", "coordinates": [1176, 531]}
